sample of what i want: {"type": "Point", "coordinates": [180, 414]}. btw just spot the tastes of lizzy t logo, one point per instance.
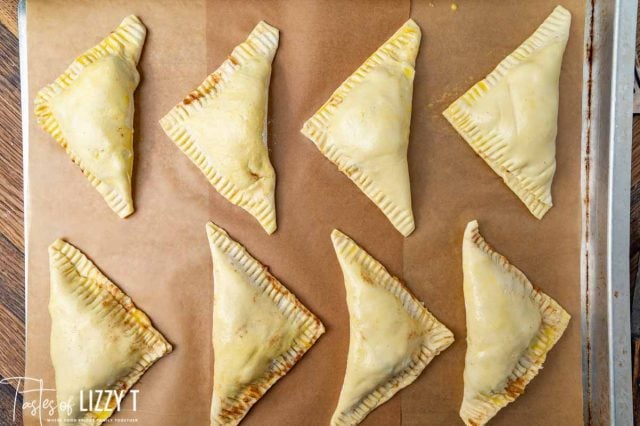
{"type": "Point", "coordinates": [41, 402]}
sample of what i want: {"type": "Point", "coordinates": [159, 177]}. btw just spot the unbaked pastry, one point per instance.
{"type": "Point", "coordinates": [99, 339]}
{"type": "Point", "coordinates": [260, 329]}
{"type": "Point", "coordinates": [511, 326]}
{"type": "Point", "coordinates": [510, 118]}
{"type": "Point", "coordinates": [364, 126]}
{"type": "Point", "coordinates": [393, 337]}
{"type": "Point", "coordinates": [89, 111]}
{"type": "Point", "coordinates": [222, 126]}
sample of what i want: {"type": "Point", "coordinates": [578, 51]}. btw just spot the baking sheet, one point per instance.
{"type": "Point", "coordinates": [160, 257]}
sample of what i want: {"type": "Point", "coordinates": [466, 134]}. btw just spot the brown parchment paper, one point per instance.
{"type": "Point", "coordinates": [160, 255]}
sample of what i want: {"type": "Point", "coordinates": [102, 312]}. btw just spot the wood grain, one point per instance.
{"type": "Point", "coordinates": [8, 15]}
{"type": "Point", "coordinates": [11, 309]}
{"type": "Point", "coordinates": [8, 400]}
{"type": "Point", "coordinates": [11, 137]}
{"type": "Point", "coordinates": [636, 374]}
{"type": "Point", "coordinates": [634, 242]}
{"type": "Point", "coordinates": [11, 222]}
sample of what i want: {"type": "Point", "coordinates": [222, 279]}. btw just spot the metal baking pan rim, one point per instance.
{"type": "Point", "coordinates": [610, 30]}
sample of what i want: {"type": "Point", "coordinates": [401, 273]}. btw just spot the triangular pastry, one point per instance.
{"type": "Point", "coordinates": [89, 111]}
{"type": "Point", "coordinates": [100, 341]}
{"type": "Point", "coordinates": [511, 326]}
{"type": "Point", "coordinates": [222, 126]}
{"type": "Point", "coordinates": [393, 337]}
{"type": "Point", "coordinates": [510, 118]}
{"type": "Point", "coordinates": [260, 329]}
{"type": "Point", "coordinates": [364, 126]}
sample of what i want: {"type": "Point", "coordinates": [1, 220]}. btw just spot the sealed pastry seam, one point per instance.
{"type": "Point", "coordinates": [489, 145]}
{"type": "Point", "coordinates": [288, 304]}
{"type": "Point", "coordinates": [126, 40]}
{"type": "Point", "coordinates": [437, 336]}
{"type": "Point", "coordinates": [90, 281]}
{"type": "Point", "coordinates": [555, 319]}
{"type": "Point", "coordinates": [261, 42]}
{"type": "Point", "coordinates": [235, 407]}
{"type": "Point", "coordinates": [315, 128]}
{"type": "Point", "coordinates": [107, 302]}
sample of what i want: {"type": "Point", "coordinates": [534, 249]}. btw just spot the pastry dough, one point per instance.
{"type": "Point", "coordinates": [511, 326]}
{"type": "Point", "coordinates": [222, 126]}
{"type": "Point", "coordinates": [510, 118]}
{"type": "Point", "coordinates": [393, 336]}
{"type": "Point", "coordinates": [260, 329]}
{"type": "Point", "coordinates": [89, 111]}
{"type": "Point", "coordinates": [364, 127]}
{"type": "Point", "coordinates": [100, 341]}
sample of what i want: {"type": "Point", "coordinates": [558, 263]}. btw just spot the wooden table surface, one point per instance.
{"type": "Point", "coordinates": [11, 215]}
